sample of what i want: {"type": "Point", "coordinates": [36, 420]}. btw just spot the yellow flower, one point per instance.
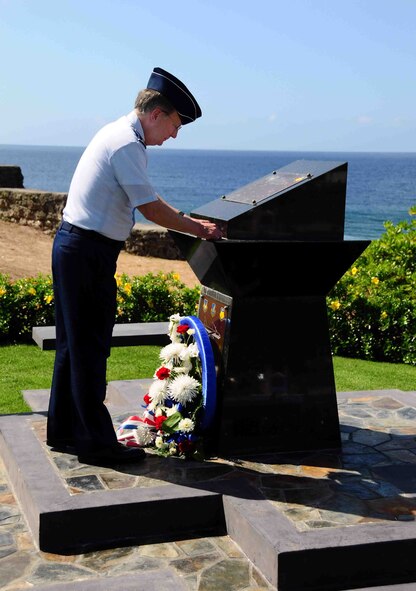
{"type": "Point", "coordinates": [31, 291]}
{"type": "Point", "coordinates": [176, 276]}
{"type": "Point", "coordinates": [375, 280]}
{"type": "Point", "coordinates": [2, 291]}
{"type": "Point", "coordinates": [127, 288]}
{"type": "Point", "coordinates": [354, 271]}
{"type": "Point", "coordinates": [118, 279]}
{"type": "Point", "coordinates": [120, 299]}
{"type": "Point", "coordinates": [48, 298]}
{"type": "Point", "coordinates": [383, 315]}
{"type": "Point", "coordinates": [335, 305]}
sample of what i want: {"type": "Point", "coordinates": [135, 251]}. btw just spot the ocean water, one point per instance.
{"type": "Point", "coordinates": [380, 186]}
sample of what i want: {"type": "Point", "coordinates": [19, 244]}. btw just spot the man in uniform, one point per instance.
{"type": "Point", "coordinates": [109, 183]}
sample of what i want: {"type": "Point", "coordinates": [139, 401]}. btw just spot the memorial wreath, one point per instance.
{"type": "Point", "coordinates": [175, 406]}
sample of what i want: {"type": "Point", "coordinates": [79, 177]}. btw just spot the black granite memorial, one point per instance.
{"type": "Point", "coordinates": [263, 303]}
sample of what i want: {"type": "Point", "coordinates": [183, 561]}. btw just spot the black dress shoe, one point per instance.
{"type": "Point", "coordinates": [111, 456]}
{"type": "Point", "coordinates": [62, 445]}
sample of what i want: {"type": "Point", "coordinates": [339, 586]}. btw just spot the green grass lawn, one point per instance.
{"type": "Point", "coordinates": [357, 374]}
{"type": "Point", "coordinates": [26, 367]}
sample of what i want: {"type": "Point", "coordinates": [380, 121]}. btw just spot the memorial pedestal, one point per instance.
{"type": "Point", "coordinates": [263, 303]}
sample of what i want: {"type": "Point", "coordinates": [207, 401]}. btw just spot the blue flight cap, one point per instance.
{"type": "Point", "coordinates": [176, 93]}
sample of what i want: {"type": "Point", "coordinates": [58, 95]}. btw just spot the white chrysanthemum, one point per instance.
{"type": "Point", "coordinates": [170, 411]}
{"type": "Point", "coordinates": [174, 319]}
{"type": "Point", "coordinates": [193, 350]}
{"type": "Point", "coordinates": [183, 389]}
{"type": "Point", "coordinates": [143, 435]}
{"type": "Point", "coordinates": [189, 352]}
{"type": "Point", "coordinates": [158, 391]}
{"type": "Point", "coordinates": [160, 444]}
{"type": "Point", "coordinates": [173, 325]}
{"type": "Point", "coordinates": [173, 448]}
{"type": "Point", "coordinates": [171, 354]}
{"type": "Point", "coordinates": [185, 366]}
{"type": "Point", "coordinates": [186, 425]}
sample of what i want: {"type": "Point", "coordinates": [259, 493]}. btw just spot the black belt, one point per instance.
{"type": "Point", "coordinates": [89, 234]}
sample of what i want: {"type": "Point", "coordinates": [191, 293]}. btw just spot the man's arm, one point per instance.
{"type": "Point", "coordinates": [163, 214]}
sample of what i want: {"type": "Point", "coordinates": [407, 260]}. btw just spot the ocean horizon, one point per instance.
{"type": "Point", "coordinates": [380, 185]}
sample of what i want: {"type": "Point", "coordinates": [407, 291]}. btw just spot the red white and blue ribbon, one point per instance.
{"type": "Point", "coordinates": [125, 431]}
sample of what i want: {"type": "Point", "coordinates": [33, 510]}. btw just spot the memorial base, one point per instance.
{"type": "Point", "coordinates": [276, 389]}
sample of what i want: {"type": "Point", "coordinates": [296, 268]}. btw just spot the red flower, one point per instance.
{"type": "Point", "coordinates": [163, 373]}
{"type": "Point", "coordinates": [147, 399]}
{"type": "Point", "coordinates": [159, 422]}
{"type": "Point", "coordinates": [149, 422]}
{"type": "Point", "coordinates": [182, 328]}
{"type": "Point", "coordinates": [186, 446]}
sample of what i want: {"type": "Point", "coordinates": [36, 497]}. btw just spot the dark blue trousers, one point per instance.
{"type": "Point", "coordinates": [83, 268]}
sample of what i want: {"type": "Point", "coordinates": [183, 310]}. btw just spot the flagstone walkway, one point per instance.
{"type": "Point", "coordinates": [373, 480]}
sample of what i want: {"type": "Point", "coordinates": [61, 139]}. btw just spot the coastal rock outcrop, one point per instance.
{"type": "Point", "coordinates": [11, 176]}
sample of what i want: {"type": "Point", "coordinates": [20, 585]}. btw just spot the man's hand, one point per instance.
{"type": "Point", "coordinates": [209, 230]}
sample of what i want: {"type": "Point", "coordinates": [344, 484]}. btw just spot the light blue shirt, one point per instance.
{"type": "Point", "coordinates": [111, 180]}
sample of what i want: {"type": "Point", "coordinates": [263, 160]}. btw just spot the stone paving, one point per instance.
{"type": "Point", "coordinates": [206, 564]}
{"type": "Point", "coordinates": [313, 490]}
{"type": "Point", "coordinates": [372, 480]}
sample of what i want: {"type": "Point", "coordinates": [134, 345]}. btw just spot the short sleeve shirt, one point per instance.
{"type": "Point", "coordinates": [111, 180]}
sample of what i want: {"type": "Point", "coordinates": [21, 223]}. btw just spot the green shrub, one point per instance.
{"type": "Point", "coordinates": [372, 309]}
{"type": "Point", "coordinates": [26, 303]}
{"type": "Point", "coordinates": [154, 297]}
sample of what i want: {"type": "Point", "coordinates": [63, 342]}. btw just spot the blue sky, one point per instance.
{"type": "Point", "coordinates": [314, 75]}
